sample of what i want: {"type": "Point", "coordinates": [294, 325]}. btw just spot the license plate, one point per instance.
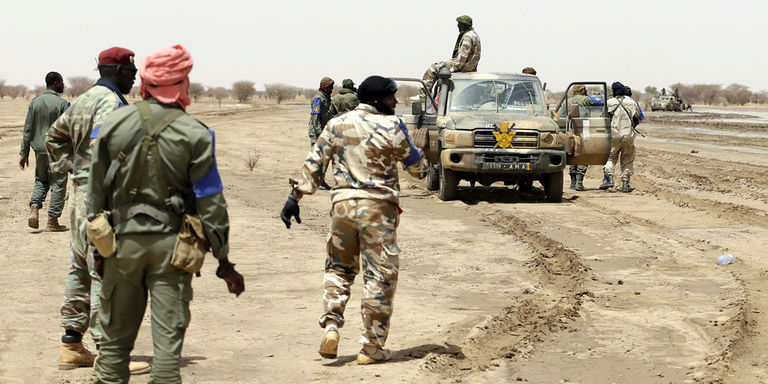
{"type": "Point", "coordinates": [507, 166]}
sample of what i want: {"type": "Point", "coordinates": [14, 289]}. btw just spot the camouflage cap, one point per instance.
{"type": "Point", "coordinates": [529, 71]}
{"type": "Point", "coordinates": [348, 83]}
{"type": "Point", "coordinates": [464, 19]}
{"type": "Point", "coordinates": [579, 89]}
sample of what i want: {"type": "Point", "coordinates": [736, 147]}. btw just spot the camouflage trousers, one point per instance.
{"type": "Point", "coordinates": [45, 180]}
{"type": "Point", "coordinates": [578, 170]}
{"type": "Point", "coordinates": [362, 230]}
{"type": "Point", "coordinates": [83, 285]}
{"type": "Point", "coordinates": [430, 76]}
{"type": "Point", "coordinates": [623, 151]}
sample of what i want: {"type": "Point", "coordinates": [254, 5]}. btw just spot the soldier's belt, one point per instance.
{"type": "Point", "coordinates": [126, 212]}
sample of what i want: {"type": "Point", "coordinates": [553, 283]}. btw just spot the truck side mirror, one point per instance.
{"type": "Point", "coordinates": [416, 108]}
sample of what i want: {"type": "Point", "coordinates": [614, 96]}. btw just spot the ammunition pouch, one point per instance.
{"type": "Point", "coordinates": [102, 236]}
{"type": "Point", "coordinates": [191, 245]}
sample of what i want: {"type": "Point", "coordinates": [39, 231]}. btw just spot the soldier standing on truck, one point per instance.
{"type": "Point", "coordinates": [69, 149]}
{"type": "Point", "coordinates": [43, 111]}
{"type": "Point", "coordinates": [154, 170]}
{"type": "Point", "coordinates": [582, 101]}
{"type": "Point", "coordinates": [365, 145]}
{"type": "Point", "coordinates": [346, 100]}
{"type": "Point", "coordinates": [623, 111]}
{"type": "Point", "coordinates": [320, 114]}
{"type": "Point", "coordinates": [466, 53]}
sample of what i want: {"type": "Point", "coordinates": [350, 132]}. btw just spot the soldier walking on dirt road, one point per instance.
{"type": "Point", "coordinates": [43, 111]}
{"type": "Point", "coordinates": [69, 149]}
{"type": "Point", "coordinates": [154, 170]}
{"type": "Point", "coordinates": [623, 110]}
{"type": "Point", "coordinates": [320, 114]}
{"type": "Point", "coordinates": [365, 145]}
{"type": "Point", "coordinates": [466, 53]}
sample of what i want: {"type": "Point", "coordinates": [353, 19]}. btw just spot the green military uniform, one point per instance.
{"type": "Point", "coordinates": [188, 168]}
{"type": "Point", "coordinates": [583, 101]}
{"type": "Point", "coordinates": [43, 111]}
{"type": "Point", "coordinates": [319, 116]}
{"type": "Point", "coordinates": [69, 149]}
{"type": "Point", "coordinates": [345, 101]}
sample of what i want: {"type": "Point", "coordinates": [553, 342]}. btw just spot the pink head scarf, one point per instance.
{"type": "Point", "coordinates": [164, 75]}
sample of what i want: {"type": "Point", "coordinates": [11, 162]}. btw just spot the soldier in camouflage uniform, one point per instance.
{"type": "Point", "coordinates": [146, 207]}
{"type": "Point", "coordinates": [466, 53]}
{"type": "Point", "coordinates": [365, 145]}
{"type": "Point", "coordinates": [580, 99]}
{"type": "Point", "coordinates": [320, 114]}
{"type": "Point", "coordinates": [69, 149]}
{"type": "Point", "coordinates": [346, 100]}
{"type": "Point", "coordinates": [624, 111]}
{"type": "Point", "coordinates": [43, 111]}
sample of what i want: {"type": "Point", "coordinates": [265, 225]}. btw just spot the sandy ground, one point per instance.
{"type": "Point", "coordinates": [499, 286]}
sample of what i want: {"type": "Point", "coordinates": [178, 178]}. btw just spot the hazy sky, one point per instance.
{"type": "Point", "coordinates": [638, 42]}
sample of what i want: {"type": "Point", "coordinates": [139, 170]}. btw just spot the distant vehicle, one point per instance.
{"type": "Point", "coordinates": [489, 127]}
{"type": "Point", "coordinates": [667, 103]}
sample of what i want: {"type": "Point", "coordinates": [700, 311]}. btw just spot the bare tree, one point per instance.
{"type": "Point", "coordinates": [737, 94]}
{"type": "Point", "coordinates": [220, 93]}
{"type": "Point", "coordinates": [78, 85]}
{"type": "Point", "coordinates": [2, 88]}
{"type": "Point", "coordinates": [280, 91]}
{"type": "Point", "coordinates": [39, 90]}
{"type": "Point", "coordinates": [243, 90]}
{"type": "Point", "coordinates": [307, 92]}
{"type": "Point", "coordinates": [15, 91]}
{"type": "Point", "coordinates": [196, 90]}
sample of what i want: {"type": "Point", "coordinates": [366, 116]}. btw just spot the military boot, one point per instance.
{"type": "Point", "coordinates": [579, 182]}
{"type": "Point", "coordinates": [34, 216]}
{"type": "Point", "coordinates": [607, 182]}
{"type": "Point", "coordinates": [625, 187]}
{"type": "Point", "coordinates": [54, 226]}
{"type": "Point", "coordinates": [134, 367]}
{"type": "Point", "coordinates": [373, 355]}
{"type": "Point", "coordinates": [74, 355]}
{"type": "Point", "coordinates": [573, 180]}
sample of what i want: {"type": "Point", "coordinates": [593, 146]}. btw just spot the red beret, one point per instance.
{"type": "Point", "coordinates": [116, 55]}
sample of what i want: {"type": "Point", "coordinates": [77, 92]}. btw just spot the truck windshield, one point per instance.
{"type": "Point", "coordinates": [497, 95]}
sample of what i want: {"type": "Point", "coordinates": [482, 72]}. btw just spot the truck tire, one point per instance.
{"type": "Point", "coordinates": [448, 184]}
{"type": "Point", "coordinates": [433, 178]}
{"type": "Point", "coordinates": [553, 187]}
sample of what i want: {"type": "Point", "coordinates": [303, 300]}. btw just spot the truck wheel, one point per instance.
{"type": "Point", "coordinates": [448, 184]}
{"type": "Point", "coordinates": [553, 187]}
{"type": "Point", "coordinates": [433, 179]}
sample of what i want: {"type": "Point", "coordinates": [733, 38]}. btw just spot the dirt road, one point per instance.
{"type": "Point", "coordinates": [496, 287]}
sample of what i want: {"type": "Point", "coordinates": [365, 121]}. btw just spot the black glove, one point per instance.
{"type": "Point", "coordinates": [290, 209]}
{"type": "Point", "coordinates": [234, 280]}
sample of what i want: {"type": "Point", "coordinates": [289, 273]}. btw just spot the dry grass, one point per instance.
{"type": "Point", "coordinates": [252, 160]}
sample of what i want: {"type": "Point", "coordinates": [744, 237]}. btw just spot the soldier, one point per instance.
{"type": "Point", "coordinates": [346, 100]}
{"type": "Point", "coordinates": [623, 111]}
{"type": "Point", "coordinates": [365, 146]}
{"type": "Point", "coordinates": [320, 114]}
{"type": "Point", "coordinates": [580, 99]}
{"type": "Point", "coordinates": [146, 202]}
{"type": "Point", "coordinates": [466, 53]}
{"type": "Point", "coordinates": [69, 149]}
{"type": "Point", "coordinates": [43, 111]}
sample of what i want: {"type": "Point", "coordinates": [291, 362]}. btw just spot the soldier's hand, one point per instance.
{"type": "Point", "coordinates": [23, 162]}
{"type": "Point", "coordinates": [290, 209]}
{"type": "Point", "coordinates": [235, 282]}
{"type": "Point", "coordinates": [98, 263]}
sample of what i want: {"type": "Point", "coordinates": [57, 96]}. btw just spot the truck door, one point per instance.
{"type": "Point", "coordinates": [590, 126]}
{"type": "Point", "coordinates": [419, 116]}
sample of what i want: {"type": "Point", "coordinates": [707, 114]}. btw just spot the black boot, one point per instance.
{"type": "Point", "coordinates": [579, 182]}
{"type": "Point", "coordinates": [573, 180]}
{"type": "Point", "coordinates": [607, 182]}
{"type": "Point", "coordinates": [71, 336]}
{"type": "Point", "coordinates": [625, 187]}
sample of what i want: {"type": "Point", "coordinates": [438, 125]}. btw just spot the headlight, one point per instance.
{"type": "Point", "coordinates": [550, 140]}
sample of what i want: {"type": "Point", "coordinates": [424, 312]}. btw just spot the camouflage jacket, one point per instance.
{"type": "Point", "coordinates": [623, 111]}
{"type": "Point", "coordinates": [43, 111]}
{"type": "Point", "coordinates": [319, 116]}
{"type": "Point", "coordinates": [365, 147]}
{"type": "Point", "coordinates": [186, 151]}
{"type": "Point", "coordinates": [343, 102]}
{"type": "Point", "coordinates": [580, 100]}
{"type": "Point", "coordinates": [69, 138]}
{"type": "Point", "coordinates": [469, 53]}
